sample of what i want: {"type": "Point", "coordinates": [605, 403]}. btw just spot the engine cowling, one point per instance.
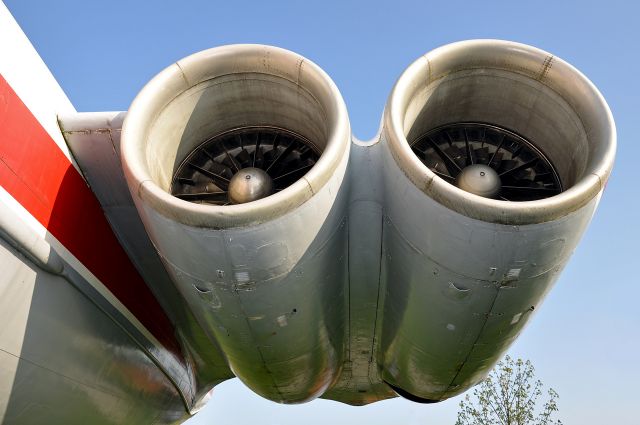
{"type": "Point", "coordinates": [496, 156]}
{"type": "Point", "coordinates": [235, 158]}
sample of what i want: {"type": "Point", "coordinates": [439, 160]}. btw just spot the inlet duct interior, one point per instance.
{"type": "Point", "coordinates": [515, 87]}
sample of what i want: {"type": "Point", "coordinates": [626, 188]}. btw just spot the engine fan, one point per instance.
{"type": "Point", "coordinates": [243, 165]}
{"type": "Point", "coordinates": [489, 161]}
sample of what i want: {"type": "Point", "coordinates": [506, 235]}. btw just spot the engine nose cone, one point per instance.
{"type": "Point", "coordinates": [249, 184]}
{"type": "Point", "coordinates": [479, 179]}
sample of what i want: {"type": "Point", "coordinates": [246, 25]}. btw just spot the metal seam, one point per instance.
{"type": "Point", "coordinates": [183, 75]}
{"type": "Point", "coordinates": [475, 342]}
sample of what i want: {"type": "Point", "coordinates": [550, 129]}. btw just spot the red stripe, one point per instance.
{"type": "Point", "coordinates": [37, 174]}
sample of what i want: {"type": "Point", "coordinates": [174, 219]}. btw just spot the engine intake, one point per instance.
{"type": "Point", "coordinates": [207, 100]}
{"type": "Point", "coordinates": [535, 99]}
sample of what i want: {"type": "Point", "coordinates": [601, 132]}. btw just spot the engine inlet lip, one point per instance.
{"type": "Point", "coordinates": [518, 59]}
{"type": "Point", "coordinates": [224, 61]}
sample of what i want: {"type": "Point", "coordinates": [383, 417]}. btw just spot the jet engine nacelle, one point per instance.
{"type": "Point", "coordinates": [493, 156]}
{"type": "Point", "coordinates": [236, 157]}
{"type": "Point", "coordinates": [496, 157]}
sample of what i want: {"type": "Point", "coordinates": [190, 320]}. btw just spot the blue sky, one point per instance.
{"type": "Point", "coordinates": [584, 340]}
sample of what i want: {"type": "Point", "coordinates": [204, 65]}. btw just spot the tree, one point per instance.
{"type": "Point", "coordinates": [508, 396]}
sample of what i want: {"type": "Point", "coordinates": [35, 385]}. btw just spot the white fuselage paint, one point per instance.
{"type": "Point", "coordinates": [31, 79]}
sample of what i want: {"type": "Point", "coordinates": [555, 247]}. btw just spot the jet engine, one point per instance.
{"type": "Point", "coordinates": [492, 158]}
{"type": "Point", "coordinates": [496, 155]}
{"type": "Point", "coordinates": [236, 158]}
